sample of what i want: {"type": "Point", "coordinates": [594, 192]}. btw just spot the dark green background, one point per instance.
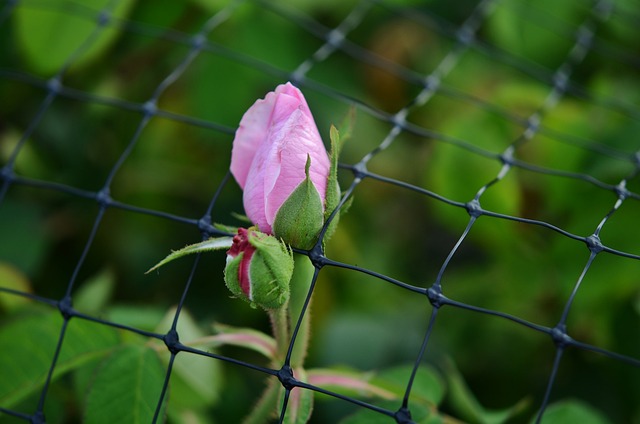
{"type": "Point", "coordinates": [358, 321]}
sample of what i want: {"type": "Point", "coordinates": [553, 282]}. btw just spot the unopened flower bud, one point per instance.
{"type": "Point", "coordinates": [259, 269]}
{"type": "Point", "coordinates": [280, 162]}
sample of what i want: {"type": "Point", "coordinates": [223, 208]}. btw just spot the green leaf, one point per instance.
{"type": "Point", "coordinates": [195, 380]}
{"type": "Point", "coordinates": [144, 317]}
{"type": "Point", "coordinates": [242, 337]}
{"type": "Point", "coordinates": [95, 293]}
{"type": "Point", "coordinates": [348, 383]}
{"type": "Point", "coordinates": [300, 218]}
{"type": "Point", "coordinates": [300, 403]}
{"type": "Point", "coordinates": [428, 387]}
{"type": "Point", "coordinates": [265, 407]}
{"type": "Point", "coordinates": [572, 411]}
{"type": "Point", "coordinates": [426, 393]}
{"type": "Point", "coordinates": [126, 388]}
{"type": "Point", "coordinates": [419, 414]}
{"type": "Point", "coordinates": [12, 278]}
{"type": "Point", "coordinates": [50, 36]}
{"type": "Point", "coordinates": [465, 404]}
{"type": "Point", "coordinates": [28, 345]}
{"type": "Point", "coordinates": [189, 416]}
{"type": "Point", "coordinates": [219, 243]}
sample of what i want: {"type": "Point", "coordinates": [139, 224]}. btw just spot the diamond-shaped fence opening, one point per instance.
{"type": "Point", "coordinates": [486, 269]}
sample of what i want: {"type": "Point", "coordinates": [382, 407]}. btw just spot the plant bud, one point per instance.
{"type": "Point", "coordinates": [259, 269]}
{"type": "Point", "coordinates": [281, 164]}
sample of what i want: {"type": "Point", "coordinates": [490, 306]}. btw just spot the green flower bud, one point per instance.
{"type": "Point", "coordinates": [259, 269]}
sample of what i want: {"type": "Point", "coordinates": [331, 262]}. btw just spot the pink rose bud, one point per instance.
{"type": "Point", "coordinates": [259, 269]}
{"type": "Point", "coordinates": [280, 162]}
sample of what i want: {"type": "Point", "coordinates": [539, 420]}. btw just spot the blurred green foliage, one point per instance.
{"type": "Point", "coordinates": [359, 322]}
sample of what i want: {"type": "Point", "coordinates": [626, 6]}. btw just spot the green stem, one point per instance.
{"type": "Point", "coordinates": [300, 284]}
{"type": "Point", "coordinates": [280, 325]}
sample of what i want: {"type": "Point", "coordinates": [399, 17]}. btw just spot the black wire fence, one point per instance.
{"type": "Point", "coordinates": [493, 170]}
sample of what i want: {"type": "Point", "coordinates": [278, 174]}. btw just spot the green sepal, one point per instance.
{"type": "Point", "coordinates": [231, 277]}
{"type": "Point", "coordinates": [300, 218]}
{"type": "Point", "coordinates": [345, 128]}
{"type": "Point", "coordinates": [333, 188]}
{"type": "Point", "coordinates": [225, 228]}
{"type": "Point", "coordinates": [220, 243]}
{"type": "Point", "coordinates": [240, 217]}
{"type": "Point", "coordinates": [270, 272]}
{"type": "Point", "coordinates": [271, 269]}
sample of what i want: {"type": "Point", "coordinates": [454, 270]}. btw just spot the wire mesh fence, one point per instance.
{"type": "Point", "coordinates": [487, 269]}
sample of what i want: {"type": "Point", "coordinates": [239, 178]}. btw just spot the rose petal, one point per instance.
{"type": "Point", "coordinates": [298, 138]}
{"type": "Point", "coordinates": [253, 195]}
{"type": "Point", "coordinates": [270, 151]}
{"type": "Point", "coordinates": [252, 131]}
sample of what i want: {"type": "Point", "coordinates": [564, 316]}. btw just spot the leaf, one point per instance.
{"type": "Point", "coordinates": [219, 243]}
{"type": "Point", "coordinates": [300, 404]}
{"type": "Point", "coordinates": [242, 337]}
{"type": "Point", "coordinates": [13, 279]}
{"type": "Point", "coordinates": [427, 392]}
{"type": "Point", "coordinates": [465, 404]}
{"type": "Point", "coordinates": [95, 293]}
{"type": "Point", "coordinates": [28, 345]}
{"type": "Point", "coordinates": [572, 411]}
{"type": "Point", "coordinates": [419, 414]}
{"type": "Point", "coordinates": [195, 380]}
{"type": "Point", "coordinates": [51, 36]}
{"type": "Point", "coordinates": [144, 317]}
{"type": "Point", "coordinates": [265, 407]}
{"type": "Point", "coordinates": [126, 388]}
{"type": "Point", "coordinates": [348, 383]}
{"type": "Point", "coordinates": [428, 387]}
{"type": "Point", "coordinates": [188, 416]}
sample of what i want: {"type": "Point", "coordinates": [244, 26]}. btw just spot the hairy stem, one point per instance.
{"type": "Point", "coordinates": [280, 325]}
{"type": "Point", "coordinates": [300, 285]}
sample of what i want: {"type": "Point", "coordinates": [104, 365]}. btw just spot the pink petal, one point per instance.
{"type": "Point", "coordinates": [252, 131]}
{"type": "Point", "coordinates": [253, 195]}
{"type": "Point", "coordinates": [297, 138]}
{"type": "Point", "coordinates": [270, 152]}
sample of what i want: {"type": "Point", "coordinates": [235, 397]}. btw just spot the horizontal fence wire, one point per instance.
{"type": "Point", "coordinates": [334, 42]}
